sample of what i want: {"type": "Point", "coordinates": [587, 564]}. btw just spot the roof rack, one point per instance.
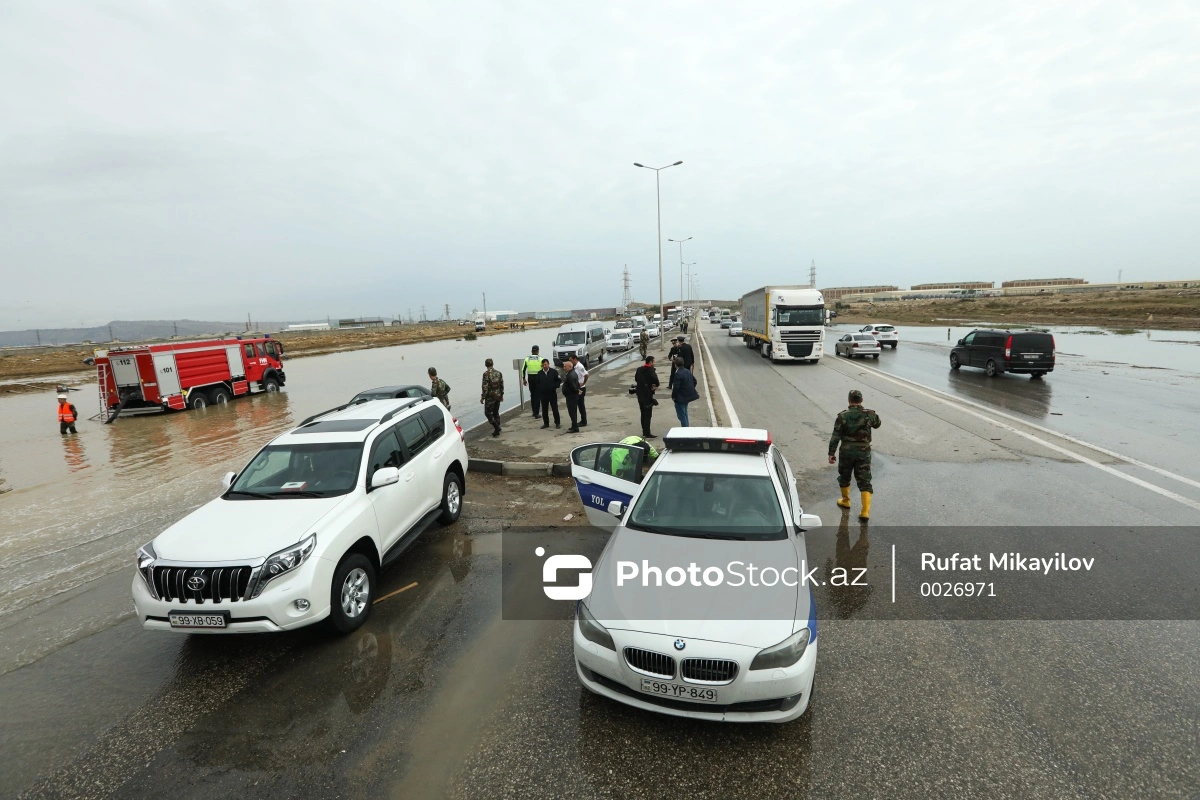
{"type": "Point", "coordinates": [412, 402]}
{"type": "Point", "coordinates": [321, 414]}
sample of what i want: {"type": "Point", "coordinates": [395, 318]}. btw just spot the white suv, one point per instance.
{"type": "Point", "coordinates": [302, 532]}
{"type": "Point", "coordinates": [886, 335]}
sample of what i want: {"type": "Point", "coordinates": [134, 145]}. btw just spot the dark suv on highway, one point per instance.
{"type": "Point", "coordinates": [997, 352]}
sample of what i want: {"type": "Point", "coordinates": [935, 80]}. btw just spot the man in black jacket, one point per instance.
{"type": "Point", "coordinates": [671, 354]}
{"type": "Point", "coordinates": [547, 385]}
{"type": "Point", "coordinates": [685, 352]}
{"type": "Point", "coordinates": [571, 390]}
{"type": "Point", "coordinates": [646, 382]}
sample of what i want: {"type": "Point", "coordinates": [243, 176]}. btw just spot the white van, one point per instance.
{"type": "Point", "coordinates": [584, 339]}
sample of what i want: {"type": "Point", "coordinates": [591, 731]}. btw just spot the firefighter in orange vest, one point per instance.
{"type": "Point", "coordinates": [66, 415]}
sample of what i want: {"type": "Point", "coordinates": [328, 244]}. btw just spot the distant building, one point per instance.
{"type": "Point", "coordinates": [961, 285]}
{"type": "Point", "coordinates": [562, 313]}
{"type": "Point", "coordinates": [1043, 282]}
{"type": "Point", "coordinates": [309, 326]}
{"type": "Point", "coordinates": [841, 291]}
{"type": "Point", "coordinates": [593, 313]}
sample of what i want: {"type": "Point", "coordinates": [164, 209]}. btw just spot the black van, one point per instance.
{"type": "Point", "coordinates": [997, 352]}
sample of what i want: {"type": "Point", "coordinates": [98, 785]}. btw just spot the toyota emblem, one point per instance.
{"type": "Point", "coordinates": [196, 583]}
{"type": "Point", "coordinates": [680, 644]}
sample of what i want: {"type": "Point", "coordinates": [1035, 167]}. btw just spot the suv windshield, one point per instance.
{"type": "Point", "coordinates": [575, 337]}
{"type": "Point", "coordinates": [801, 315]}
{"type": "Point", "coordinates": [299, 470]}
{"type": "Point", "coordinates": [709, 506]}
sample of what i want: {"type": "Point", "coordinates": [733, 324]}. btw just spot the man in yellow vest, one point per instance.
{"type": "Point", "coordinates": [66, 416]}
{"type": "Point", "coordinates": [622, 462]}
{"type": "Point", "coordinates": [530, 376]}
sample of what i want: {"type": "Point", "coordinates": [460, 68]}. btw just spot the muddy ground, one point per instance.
{"type": "Point", "coordinates": [1170, 309]}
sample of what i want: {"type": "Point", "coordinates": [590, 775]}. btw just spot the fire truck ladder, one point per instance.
{"type": "Point", "coordinates": [102, 377]}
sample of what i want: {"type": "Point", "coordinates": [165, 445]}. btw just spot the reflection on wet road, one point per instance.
{"type": "Point", "coordinates": [1141, 406]}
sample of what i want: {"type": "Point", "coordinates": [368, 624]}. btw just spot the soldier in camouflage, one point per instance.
{"type": "Point", "coordinates": [492, 395]}
{"type": "Point", "coordinates": [852, 430]}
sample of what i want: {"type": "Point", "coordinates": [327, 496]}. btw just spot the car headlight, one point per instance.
{"type": "Point", "coordinates": [284, 562]}
{"type": "Point", "coordinates": [784, 654]}
{"type": "Point", "coordinates": [145, 565]}
{"type": "Point", "coordinates": [592, 630]}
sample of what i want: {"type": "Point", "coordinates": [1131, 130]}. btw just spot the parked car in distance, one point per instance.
{"type": "Point", "coordinates": [583, 339]}
{"type": "Point", "coordinates": [996, 352]}
{"type": "Point", "coordinates": [302, 532]}
{"type": "Point", "coordinates": [388, 393]}
{"type": "Point", "coordinates": [886, 335]}
{"type": "Point", "coordinates": [620, 340]}
{"type": "Point", "coordinates": [857, 345]}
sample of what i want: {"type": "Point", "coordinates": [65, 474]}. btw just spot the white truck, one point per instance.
{"type": "Point", "coordinates": [784, 323]}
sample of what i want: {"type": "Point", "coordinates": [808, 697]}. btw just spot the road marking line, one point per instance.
{"type": "Point", "coordinates": [1050, 431]}
{"type": "Point", "coordinates": [393, 594]}
{"type": "Point", "coordinates": [934, 394]}
{"type": "Point", "coordinates": [734, 422]}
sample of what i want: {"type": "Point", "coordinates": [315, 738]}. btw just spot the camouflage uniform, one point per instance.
{"type": "Point", "coordinates": [643, 343]}
{"type": "Point", "coordinates": [853, 430]}
{"type": "Point", "coordinates": [492, 395]}
{"type": "Point", "coordinates": [441, 390]}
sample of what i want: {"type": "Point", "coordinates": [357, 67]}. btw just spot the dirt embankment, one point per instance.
{"type": "Point", "coordinates": [1171, 309]}
{"type": "Point", "coordinates": [26, 370]}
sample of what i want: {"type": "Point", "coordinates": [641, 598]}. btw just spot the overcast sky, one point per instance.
{"type": "Point", "coordinates": [292, 160]}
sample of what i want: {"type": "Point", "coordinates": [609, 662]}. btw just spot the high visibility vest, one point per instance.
{"type": "Point", "coordinates": [533, 365]}
{"type": "Point", "coordinates": [622, 458]}
{"type": "Point", "coordinates": [64, 413]}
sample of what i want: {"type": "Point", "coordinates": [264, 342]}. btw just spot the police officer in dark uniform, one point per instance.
{"type": "Point", "coordinates": [852, 429]}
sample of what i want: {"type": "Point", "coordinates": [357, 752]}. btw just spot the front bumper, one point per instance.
{"type": "Point", "coordinates": [789, 351]}
{"type": "Point", "coordinates": [774, 695]}
{"type": "Point", "coordinates": [272, 611]}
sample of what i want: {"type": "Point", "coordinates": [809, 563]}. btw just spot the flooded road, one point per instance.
{"type": "Point", "coordinates": [78, 506]}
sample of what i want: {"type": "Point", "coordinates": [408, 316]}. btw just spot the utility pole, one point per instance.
{"type": "Point", "coordinates": [111, 338]}
{"type": "Point", "coordinates": [247, 320]}
{"type": "Point", "coordinates": [423, 317]}
{"type": "Point", "coordinates": [485, 306]}
{"type": "Point", "coordinates": [447, 309]}
{"type": "Point", "coordinates": [38, 334]}
{"type": "Point", "coordinates": [175, 325]}
{"type": "Point", "coordinates": [627, 294]}
{"type": "Point", "coordinates": [1119, 275]}
{"type": "Point", "coordinates": [812, 274]}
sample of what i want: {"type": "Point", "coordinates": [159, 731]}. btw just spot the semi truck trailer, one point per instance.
{"type": "Point", "coordinates": [784, 323]}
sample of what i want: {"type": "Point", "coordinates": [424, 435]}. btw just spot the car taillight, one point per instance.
{"type": "Point", "coordinates": [1053, 349]}
{"type": "Point", "coordinates": [1008, 348]}
{"type": "Point", "coordinates": [856, 344]}
{"type": "Point", "coordinates": [462, 436]}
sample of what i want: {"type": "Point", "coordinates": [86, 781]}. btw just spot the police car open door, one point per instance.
{"type": "Point", "coordinates": [605, 473]}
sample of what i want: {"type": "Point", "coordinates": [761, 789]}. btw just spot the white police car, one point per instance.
{"type": "Point", "coordinates": [691, 611]}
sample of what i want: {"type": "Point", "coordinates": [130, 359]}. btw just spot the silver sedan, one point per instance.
{"type": "Point", "coordinates": [855, 345]}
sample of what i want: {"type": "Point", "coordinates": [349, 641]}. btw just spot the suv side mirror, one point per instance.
{"type": "Point", "coordinates": [962, 342]}
{"type": "Point", "coordinates": [808, 521]}
{"type": "Point", "coordinates": [385, 476]}
{"type": "Point", "coordinates": [228, 479]}
{"type": "Point", "coordinates": [616, 508]}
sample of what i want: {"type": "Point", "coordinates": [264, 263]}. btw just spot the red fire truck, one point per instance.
{"type": "Point", "coordinates": [173, 376]}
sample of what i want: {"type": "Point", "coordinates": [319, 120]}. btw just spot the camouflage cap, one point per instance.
{"type": "Point", "coordinates": [855, 396]}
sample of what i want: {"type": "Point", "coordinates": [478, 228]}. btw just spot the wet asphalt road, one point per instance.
{"type": "Point", "coordinates": [439, 696]}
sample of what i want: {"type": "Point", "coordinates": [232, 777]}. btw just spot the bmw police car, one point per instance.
{"type": "Point", "coordinates": [699, 605]}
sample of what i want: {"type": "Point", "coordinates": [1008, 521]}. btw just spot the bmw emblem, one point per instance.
{"type": "Point", "coordinates": [680, 644]}
{"type": "Point", "coordinates": [196, 583]}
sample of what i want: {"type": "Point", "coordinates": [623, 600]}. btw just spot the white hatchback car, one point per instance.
{"type": "Point", "coordinates": [720, 652]}
{"type": "Point", "coordinates": [302, 532]}
{"type": "Point", "coordinates": [886, 335]}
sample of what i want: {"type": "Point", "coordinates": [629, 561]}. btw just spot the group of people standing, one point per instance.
{"type": "Point", "coordinates": [544, 383]}
{"type": "Point", "coordinates": [681, 382]}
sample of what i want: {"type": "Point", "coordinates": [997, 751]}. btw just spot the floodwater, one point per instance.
{"type": "Point", "coordinates": [74, 508]}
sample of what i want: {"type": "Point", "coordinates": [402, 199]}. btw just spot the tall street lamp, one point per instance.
{"type": "Point", "coordinates": [658, 202]}
{"type": "Point", "coordinates": [689, 266]}
{"type": "Point", "coordinates": [680, 243]}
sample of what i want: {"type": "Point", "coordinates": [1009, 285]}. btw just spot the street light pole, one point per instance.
{"type": "Point", "coordinates": [680, 242]}
{"type": "Point", "coordinates": [662, 314]}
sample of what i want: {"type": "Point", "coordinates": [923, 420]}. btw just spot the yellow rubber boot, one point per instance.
{"type": "Point", "coordinates": [866, 509]}
{"type": "Point", "coordinates": [845, 501]}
